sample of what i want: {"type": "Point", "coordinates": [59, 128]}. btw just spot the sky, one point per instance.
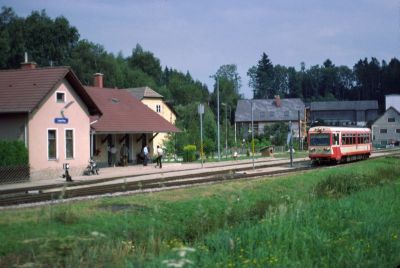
{"type": "Point", "coordinates": [201, 35]}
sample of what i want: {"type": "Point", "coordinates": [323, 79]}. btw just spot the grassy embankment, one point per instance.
{"type": "Point", "coordinates": [346, 216]}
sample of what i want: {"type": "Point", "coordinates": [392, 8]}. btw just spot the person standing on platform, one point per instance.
{"type": "Point", "coordinates": [159, 156]}
{"type": "Point", "coordinates": [145, 155]}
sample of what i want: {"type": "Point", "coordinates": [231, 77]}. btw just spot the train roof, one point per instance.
{"type": "Point", "coordinates": [340, 129]}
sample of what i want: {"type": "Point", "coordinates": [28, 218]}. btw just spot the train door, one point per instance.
{"type": "Point", "coordinates": [336, 146]}
{"type": "Point", "coordinates": [335, 139]}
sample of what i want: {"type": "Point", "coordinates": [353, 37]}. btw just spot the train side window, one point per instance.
{"type": "Point", "coordinates": [354, 139]}
{"type": "Point", "coordinates": [343, 139]}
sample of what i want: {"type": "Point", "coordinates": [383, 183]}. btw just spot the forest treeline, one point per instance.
{"type": "Point", "coordinates": [54, 42]}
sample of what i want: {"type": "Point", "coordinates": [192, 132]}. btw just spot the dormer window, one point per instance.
{"type": "Point", "coordinates": [60, 97]}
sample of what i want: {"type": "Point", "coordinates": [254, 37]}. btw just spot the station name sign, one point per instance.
{"type": "Point", "coordinates": [61, 120]}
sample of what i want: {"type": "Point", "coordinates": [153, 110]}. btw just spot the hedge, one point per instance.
{"type": "Point", "coordinates": [13, 153]}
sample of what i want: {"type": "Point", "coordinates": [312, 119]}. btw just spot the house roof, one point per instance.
{"type": "Point", "coordinates": [22, 90]}
{"type": "Point", "coordinates": [390, 108]}
{"type": "Point", "coordinates": [344, 105]}
{"type": "Point", "coordinates": [143, 92]}
{"type": "Point", "coordinates": [125, 114]}
{"type": "Point", "coordinates": [267, 110]}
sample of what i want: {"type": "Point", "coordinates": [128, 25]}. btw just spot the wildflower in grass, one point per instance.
{"type": "Point", "coordinates": [174, 243]}
{"type": "Point", "coordinates": [272, 260]}
{"type": "Point", "coordinates": [128, 246]}
{"type": "Point", "coordinates": [394, 236]}
{"type": "Point", "coordinates": [181, 261]}
{"type": "Point", "coordinates": [231, 244]}
{"type": "Point", "coordinates": [97, 234]}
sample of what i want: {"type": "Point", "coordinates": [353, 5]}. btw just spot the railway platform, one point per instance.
{"type": "Point", "coordinates": [140, 172]}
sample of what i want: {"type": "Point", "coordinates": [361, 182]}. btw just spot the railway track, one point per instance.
{"type": "Point", "coordinates": [146, 182]}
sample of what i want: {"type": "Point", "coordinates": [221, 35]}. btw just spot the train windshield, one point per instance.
{"type": "Point", "coordinates": [320, 140]}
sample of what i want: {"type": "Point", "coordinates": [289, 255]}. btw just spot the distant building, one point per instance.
{"type": "Point", "coordinates": [267, 112]}
{"type": "Point", "coordinates": [155, 102]}
{"type": "Point", "coordinates": [344, 113]}
{"type": "Point", "coordinates": [392, 101]}
{"type": "Point", "coordinates": [386, 129]}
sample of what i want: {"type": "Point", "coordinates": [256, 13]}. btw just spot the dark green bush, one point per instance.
{"type": "Point", "coordinates": [13, 153]}
{"type": "Point", "coordinates": [189, 153]}
{"type": "Point", "coordinates": [338, 185]}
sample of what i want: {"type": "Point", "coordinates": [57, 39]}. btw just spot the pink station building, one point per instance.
{"type": "Point", "coordinates": [61, 121]}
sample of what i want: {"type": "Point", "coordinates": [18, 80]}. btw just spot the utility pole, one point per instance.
{"type": "Point", "coordinates": [290, 143]}
{"type": "Point", "coordinates": [252, 133]}
{"type": "Point", "coordinates": [219, 150]}
{"type": "Point", "coordinates": [201, 112]}
{"type": "Point", "coordinates": [300, 143]}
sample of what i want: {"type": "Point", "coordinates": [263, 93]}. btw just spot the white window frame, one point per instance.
{"type": "Point", "coordinates": [158, 105]}
{"type": "Point", "coordinates": [73, 143]}
{"type": "Point", "coordinates": [65, 96]}
{"type": "Point", "coordinates": [47, 143]}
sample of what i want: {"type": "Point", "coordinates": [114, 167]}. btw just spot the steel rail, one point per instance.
{"type": "Point", "coordinates": [112, 185]}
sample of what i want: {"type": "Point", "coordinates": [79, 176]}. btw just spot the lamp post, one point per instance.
{"type": "Point", "coordinates": [252, 133]}
{"type": "Point", "coordinates": [218, 142]}
{"type": "Point", "coordinates": [226, 128]}
{"type": "Point", "coordinates": [201, 112]}
{"type": "Point", "coordinates": [219, 150]}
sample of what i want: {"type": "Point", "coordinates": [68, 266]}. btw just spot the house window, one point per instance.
{"type": "Point", "coordinates": [272, 114]}
{"type": "Point", "coordinates": [262, 115]}
{"type": "Point", "coordinates": [391, 119]}
{"type": "Point", "coordinates": [286, 113]}
{"type": "Point", "coordinates": [52, 144]}
{"type": "Point", "coordinates": [60, 96]}
{"type": "Point", "coordinates": [398, 130]}
{"type": "Point", "coordinates": [383, 131]}
{"type": "Point", "coordinates": [158, 108]}
{"type": "Point", "coordinates": [69, 143]}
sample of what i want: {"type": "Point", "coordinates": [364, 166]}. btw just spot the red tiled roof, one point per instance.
{"type": "Point", "coordinates": [124, 113]}
{"type": "Point", "coordinates": [22, 90]}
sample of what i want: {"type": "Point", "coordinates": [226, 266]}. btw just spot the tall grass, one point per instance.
{"type": "Point", "coordinates": [258, 223]}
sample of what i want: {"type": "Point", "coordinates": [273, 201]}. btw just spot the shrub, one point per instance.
{"type": "Point", "coordinates": [13, 153]}
{"type": "Point", "coordinates": [341, 184]}
{"type": "Point", "coordinates": [189, 153]}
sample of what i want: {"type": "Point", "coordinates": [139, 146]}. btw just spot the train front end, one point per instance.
{"type": "Point", "coordinates": [320, 147]}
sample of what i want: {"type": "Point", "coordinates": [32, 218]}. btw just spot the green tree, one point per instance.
{"type": "Point", "coordinates": [261, 78]}
{"type": "Point", "coordinates": [146, 62]}
{"type": "Point", "coordinates": [276, 133]}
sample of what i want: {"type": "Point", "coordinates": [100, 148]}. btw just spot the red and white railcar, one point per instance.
{"type": "Point", "coordinates": [338, 144]}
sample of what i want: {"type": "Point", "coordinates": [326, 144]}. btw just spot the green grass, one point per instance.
{"type": "Point", "coordinates": [345, 216]}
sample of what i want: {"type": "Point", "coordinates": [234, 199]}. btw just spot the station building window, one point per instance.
{"type": "Point", "coordinates": [60, 97]}
{"type": "Point", "coordinates": [52, 144]}
{"type": "Point", "coordinates": [69, 143]}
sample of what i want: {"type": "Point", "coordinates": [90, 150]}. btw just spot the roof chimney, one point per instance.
{"type": "Point", "coordinates": [278, 101]}
{"type": "Point", "coordinates": [98, 80]}
{"type": "Point", "coordinates": [28, 65]}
